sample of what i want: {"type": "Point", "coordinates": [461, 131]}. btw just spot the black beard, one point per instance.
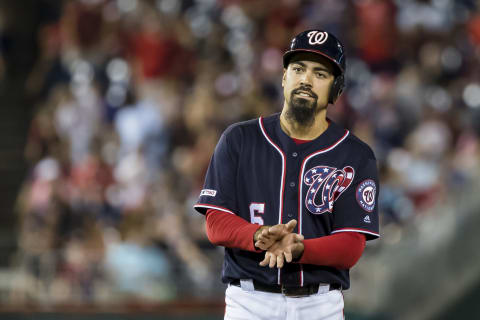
{"type": "Point", "coordinates": [302, 111]}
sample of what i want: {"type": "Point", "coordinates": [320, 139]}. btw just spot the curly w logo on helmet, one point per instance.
{"type": "Point", "coordinates": [317, 37]}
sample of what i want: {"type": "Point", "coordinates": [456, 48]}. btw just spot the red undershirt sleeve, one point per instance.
{"type": "Point", "coordinates": [340, 250]}
{"type": "Point", "coordinates": [231, 231]}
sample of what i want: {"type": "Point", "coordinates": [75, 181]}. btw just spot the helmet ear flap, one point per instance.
{"type": "Point", "coordinates": [337, 89]}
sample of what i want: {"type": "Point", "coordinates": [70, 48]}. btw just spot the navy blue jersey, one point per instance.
{"type": "Point", "coordinates": [328, 185]}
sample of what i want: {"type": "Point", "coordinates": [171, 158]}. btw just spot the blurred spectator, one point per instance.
{"type": "Point", "coordinates": [376, 32]}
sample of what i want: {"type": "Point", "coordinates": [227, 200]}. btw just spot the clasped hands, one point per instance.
{"type": "Point", "coordinates": [280, 244]}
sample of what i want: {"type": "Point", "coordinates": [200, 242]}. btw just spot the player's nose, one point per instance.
{"type": "Point", "coordinates": [306, 79]}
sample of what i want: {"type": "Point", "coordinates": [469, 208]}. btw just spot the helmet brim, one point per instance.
{"type": "Point", "coordinates": [287, 56]}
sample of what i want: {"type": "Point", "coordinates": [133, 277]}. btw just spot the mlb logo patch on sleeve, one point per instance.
{"type": "Point", "coordinates": [365, 194]}
{"type": "Point", "coordinates": [208, 192]}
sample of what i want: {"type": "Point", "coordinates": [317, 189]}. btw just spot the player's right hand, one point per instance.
{"type": "Point", "coordinates": [266, 236]}
{"type": "Point", "coordinates": [285, 250]}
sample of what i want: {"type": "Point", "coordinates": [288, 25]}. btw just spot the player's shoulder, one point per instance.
{"type": "Point", "coordinates": [250, 126]}
{"type": "Point", "coordinates": [237, 127]}
{"type": "Point", "coordinates": [358, 147]}
{"type": "Point", "coordinates": [237, 133]}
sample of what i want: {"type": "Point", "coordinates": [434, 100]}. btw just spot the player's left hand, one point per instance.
{"type": "Point", "coordinates": [266, 236]}
{"type": "Point", "coordinates": [288, 248]}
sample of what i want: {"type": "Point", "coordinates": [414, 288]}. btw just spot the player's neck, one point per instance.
{"type": "Point", "coordinates": [299, 131]}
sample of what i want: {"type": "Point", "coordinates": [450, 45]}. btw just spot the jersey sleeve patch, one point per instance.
{"type": "Point", "coordinates": [365, 194]}
{"type": "Point", "coordinates": [208, 192]}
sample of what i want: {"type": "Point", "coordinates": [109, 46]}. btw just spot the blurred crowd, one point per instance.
{"type": "Point", "coordinates": [131, 97]}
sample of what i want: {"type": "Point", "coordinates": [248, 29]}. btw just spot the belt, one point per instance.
{"type": "Point", "coordinates": [289, 291]}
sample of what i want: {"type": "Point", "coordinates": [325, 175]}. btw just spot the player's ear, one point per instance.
{"type": "Point", "coordinates": [284, 76]}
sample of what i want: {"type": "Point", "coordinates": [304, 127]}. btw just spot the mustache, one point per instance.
{"type": "Point", "coordinates": [305, 89]}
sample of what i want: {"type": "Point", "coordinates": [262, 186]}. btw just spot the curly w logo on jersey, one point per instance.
{"type": "Point", "coordinates": [328, 183]}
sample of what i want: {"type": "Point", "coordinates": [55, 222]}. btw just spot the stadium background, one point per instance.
{"type": "Point", "coordinates": [110, 110]}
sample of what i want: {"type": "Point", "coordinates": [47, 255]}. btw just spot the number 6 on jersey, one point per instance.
{"type": "Point", "coordinates": [256, 212]}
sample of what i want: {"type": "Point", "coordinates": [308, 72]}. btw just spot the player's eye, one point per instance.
{"type": "Point", "coordinates": [321, 75]}
{"type": "Point", "coordinates": [297, 69]}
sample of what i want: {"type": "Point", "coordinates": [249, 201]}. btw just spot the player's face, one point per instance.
{"type": "Point", "coordinates": [306, 85]}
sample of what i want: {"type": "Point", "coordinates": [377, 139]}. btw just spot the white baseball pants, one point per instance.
{"type": "Point", "coordinates": [244, 304]}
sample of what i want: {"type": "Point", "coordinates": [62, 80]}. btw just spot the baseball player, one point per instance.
{"type": "Point", "coordinates": [293, 196]}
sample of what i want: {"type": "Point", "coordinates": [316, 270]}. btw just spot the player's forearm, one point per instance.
{"type": "Point", "coordinates": [341, 250]}
{"type": "Point", "coordinates": [231, 231]}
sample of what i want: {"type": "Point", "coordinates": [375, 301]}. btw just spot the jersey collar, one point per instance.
{"type": "Point", "coordinates": [332, 135]}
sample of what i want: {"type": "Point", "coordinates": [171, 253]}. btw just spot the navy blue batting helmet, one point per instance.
{"type": "Point", "coordinates": [325, 44]}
